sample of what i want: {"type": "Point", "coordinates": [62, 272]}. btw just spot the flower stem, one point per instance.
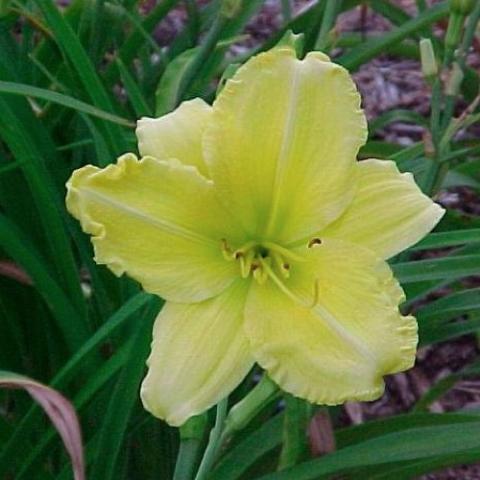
{"type": "Point", "coordinates": [440, 120]}
{"type": "Point", "coordinates": [243, 412]}
{"type": "Point", "coordinates": [187, 455]}
{"type": "Point", "coordinates": [297, 414]}
{"type": "Point", "coordinates": [213, 442]}
{"type": "Point", "coordinates": [191, 439]}
{"type": "Point", "coordinates": [328, 22]}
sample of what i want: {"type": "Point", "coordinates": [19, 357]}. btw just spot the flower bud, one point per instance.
{"type": "Point", "coordinates": [427, 56]}
{"type": "Point", "coordinates": [454, 30]}
{"type": "Point", "coordinates": [461, 7]}
{"type": "Point", "coordinates": [230, 8]}
{"type": "Point", "coordinates": [454, 80]}
{"type": "Point", "coordinates": [241, 414]}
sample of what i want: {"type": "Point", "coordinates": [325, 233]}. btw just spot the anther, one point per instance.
{"type": "Point", "coordinates": [314, 241]}
{"type": "Point", "coordinates": [246, 263]}
{"type": "Point", "coordinates": [260, 275]}
{"type": "Point", "coordinates": [285, 270]}
{"type": "Point", "coordinates": [226, 250]}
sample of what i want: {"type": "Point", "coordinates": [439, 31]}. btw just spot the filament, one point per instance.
{"type": "Point", "coordinates": [288, 292]}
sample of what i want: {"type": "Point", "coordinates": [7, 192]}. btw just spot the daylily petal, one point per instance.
{"type": "Point", "coordinates": [159, 222]}
{"type": "Point", "coordinates": [388, 213]}
{"type": "Point", "coordinates": [199, 355]}
{"type": "Point", "coordinates": [176, 135]}
{"type": "Point", "coordinates": [282, 142]}
{"type": "Point", "coordinates": [338, 349]}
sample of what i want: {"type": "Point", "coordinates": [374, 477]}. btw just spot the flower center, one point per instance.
{"type": "Point", "coordinates": [265, 260]}
{"type": "Point", "coordinates": [261, 259]}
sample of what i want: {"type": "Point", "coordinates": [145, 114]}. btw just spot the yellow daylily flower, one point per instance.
{"type": "Point", "coordinates": [267, 238]}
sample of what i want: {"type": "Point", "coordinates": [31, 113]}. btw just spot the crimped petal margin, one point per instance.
{"type": "Point", "coordinates": [199, 355]}
{"type": "Point", "coordinates": [388, 214]}
{"type": "Point", "coordinates": [158, 221]}
{"type": "Point", "coordinates": [176, 135]}
{"type": "Point", "coordinates": [339, 349]}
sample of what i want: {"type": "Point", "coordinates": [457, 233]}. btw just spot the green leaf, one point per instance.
{"type": "Point", "coordinates": [73, 51]}
{"type": "Point", "coordinates": [168, 88]}
{"type": "Point", "coordinates": [397, 115]}
{"type": "Point", "coordinates": [135, 95]}
{"type": "Point", "coordinates": [448, 239]}
{"type": "Point", "coordinates": [444, 385]}
{"type": "Point", "coordinates": [365, 52]}
{"type": "Point", "coordinates": [408, 445]}
{"type": "Point", "coordinates": [252, 448]}
{"type": "Point", "coordinates": [436, 334]}
{"type": "Point", "coordinates": [355, 434]}
{"type": "Point", "coordinates": [133, 43]}
{"type": "Point", "coordinates": [444, 268]}
{"type": "Point", "coordinates": [19, 439]}
{"type": "Point", "coordinates": [123, 399]}
{"type": "Point", "coordinates": [411, 470]}
{"type": "Point", "coordinates": [447, 307]}
{"type": "Point", "coordinates": [59, 98]}
{"type": "Point", "coordinates": [70, 323]}
{"type": "Point", "coordinates": [17, 134]}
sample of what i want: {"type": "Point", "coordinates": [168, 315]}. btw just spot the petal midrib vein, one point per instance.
{"type": "Point", "coordinates": [284, 151]}
{"type": "Point", "coordinates": [164, 225]}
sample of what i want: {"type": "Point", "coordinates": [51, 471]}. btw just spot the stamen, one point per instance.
{"type": "Point", "coordinates": [260, 274]}
{"type": "Point", "coordinates": [246, 263]}
{"type": "Point", "coordinates": [314, 241]}
{"type": "Point", "coordinates": [273, 247]}
{"type": "Point", "coordinates": [285, 270]}
{"type": "Point", "coordinates": [282, 266]}
{"type": "Point", "coordinates": [226, 250]}
{"type": "Point", "coordinates": [287, 291]}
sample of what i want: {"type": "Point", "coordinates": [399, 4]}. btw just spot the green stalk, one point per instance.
{"type": "Point", "coordinates": [332, 7]}
{"type": "Point", "coordinates": [187, 456]}
{"type": "Point", "coordinates": [467, 41]}
{"type": "Point", "coordinates": [440, 123]}
{"type": "Point", "coordinates": [191, 437]}
{"type": "Point", "coordinates": [96, 30]}
{"type": "Point", "coordinates": [249, 407]}
{"type": "Point", "coordinates": [131, 46]}
{"type": "Point", "coordinates": [207, 47]}
{"type": "Point", "coordinates": [211, 451]}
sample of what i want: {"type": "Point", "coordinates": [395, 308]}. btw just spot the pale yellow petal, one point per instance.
{"type": "Point", "coordinates": [282, 141]}
{"type": "Point", "coordinates": [337, 332]}
{"type": "Point", "coordinates": [199, 355]}
{"type": "Point", "coordinates": [388, 214]}
{"type": "Point", "coordinates": [176, 135]}
{"type": "Point", "coordinates": [159, 222]}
